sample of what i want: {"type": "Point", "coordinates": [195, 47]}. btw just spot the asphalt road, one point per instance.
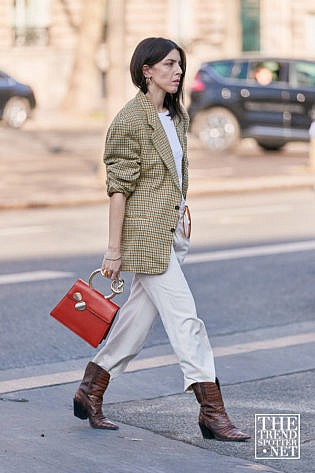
{"type": "Point", "coordinates": [251, 270]}
{"type": "Point", "coordinates": [233, 294]}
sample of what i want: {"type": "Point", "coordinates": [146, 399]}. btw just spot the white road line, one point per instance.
{"type": "Point", "coordinates": [269, 344]}
{"type": "Point", "coordinates": [235, 253]}
{"type": "Point", "coordinates": [250, 252]}
{"type": "Point", "coordinates": [33, 276]}
{"type": "Point", "coordinates": [53, 379]}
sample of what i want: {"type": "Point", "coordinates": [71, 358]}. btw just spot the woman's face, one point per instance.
{"type": "Point", "coordinates": [165, 75]}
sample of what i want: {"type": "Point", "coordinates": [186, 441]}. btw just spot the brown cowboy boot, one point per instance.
{"type": "Point", "coordinates": [213, 420]}
{"type": "Point", "coordinates": [88, 399]}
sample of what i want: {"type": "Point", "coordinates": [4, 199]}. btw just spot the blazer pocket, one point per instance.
{"type": "Point", "coordinates": [136, 215]}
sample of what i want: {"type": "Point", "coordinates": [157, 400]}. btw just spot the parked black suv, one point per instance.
{"type": "Point", "coordinates": [16, 101]}
{"type": "Point", "coordinates": [271, 100]}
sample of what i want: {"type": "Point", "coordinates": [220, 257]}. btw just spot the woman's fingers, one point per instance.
{"type": "Point", "coordinates": [115, 275]}
{"type": "Point", "coordinates": [111, 269]}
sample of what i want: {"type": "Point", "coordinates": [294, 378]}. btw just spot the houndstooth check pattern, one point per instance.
{"type": "Point", "coordinates": [140, 164]}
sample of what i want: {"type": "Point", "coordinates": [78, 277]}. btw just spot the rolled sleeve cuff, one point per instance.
{"type": "Point", "coordinates": [114, 188]}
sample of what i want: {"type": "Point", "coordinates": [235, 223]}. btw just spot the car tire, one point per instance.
{"type": "Point", "coordinates": [276, 146]}
{"type": "Point", "coordinates": [217, 128]}
{"type": "Point", "coordinates": [16, 112]}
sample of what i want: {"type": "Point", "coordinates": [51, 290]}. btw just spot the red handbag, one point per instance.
{"type": "Point", "coordinates": [87, 312]}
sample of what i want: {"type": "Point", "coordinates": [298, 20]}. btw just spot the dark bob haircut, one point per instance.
{"type": "Point", "coordinates": [151, 51]}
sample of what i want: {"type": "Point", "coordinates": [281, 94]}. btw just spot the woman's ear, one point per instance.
{"type": "Point", "coordinates": [145, 70]}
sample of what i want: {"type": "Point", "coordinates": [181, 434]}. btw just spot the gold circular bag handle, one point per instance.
{"type": "Point", "coordinates": [117, 286]}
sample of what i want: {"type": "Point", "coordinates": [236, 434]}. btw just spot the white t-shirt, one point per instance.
{"type": "Point", "coordinates": [175, 145]}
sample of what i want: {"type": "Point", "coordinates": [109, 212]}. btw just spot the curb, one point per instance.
{"type": "Point", "coordinates": [52, 202]}
{"type": "Point", "coordinates": [253, 184]}
{"type": "Point", "coordinates": [198, 188]}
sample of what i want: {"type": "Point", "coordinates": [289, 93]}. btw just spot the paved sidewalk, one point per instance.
{"type": "Point", "coordinates": [59, 162]}
{"type": "Point", "coordinates": [158, 423]}
{"type": "Point", "coordinates": [43, 436]}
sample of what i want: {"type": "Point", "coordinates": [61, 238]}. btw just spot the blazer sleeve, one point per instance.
{"type": "Point", "coordinates": [122, 159]}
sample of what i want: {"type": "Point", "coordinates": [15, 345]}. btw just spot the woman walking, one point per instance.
{"type": "Point", "coordinates": [147, 179]}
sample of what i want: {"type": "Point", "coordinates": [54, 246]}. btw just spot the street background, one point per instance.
{"type": "Point", "coordinates": [251, 269]}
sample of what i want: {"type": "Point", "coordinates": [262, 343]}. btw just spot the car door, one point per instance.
{"type": "Point", "coordinates": [301, 96]}
{"type": "Point", "coordinates": [3, 91]}
{"type": "Point", "coordinates": [262, 98]}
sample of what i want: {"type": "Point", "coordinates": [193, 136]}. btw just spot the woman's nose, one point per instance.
{"type": "Point", "coordinates": [179, 70]}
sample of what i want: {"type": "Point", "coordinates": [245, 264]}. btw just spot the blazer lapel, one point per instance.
{"type": "Point", "coordinates": [159, 138]}
{"type": "Point", "coordinates": [183, 141]}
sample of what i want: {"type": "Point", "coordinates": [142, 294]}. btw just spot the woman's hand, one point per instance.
{"type": "Point", "coordinates": [111, 265]}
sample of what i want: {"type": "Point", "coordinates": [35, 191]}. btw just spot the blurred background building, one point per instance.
{"type": "Point", "coordinates": [50, 43]}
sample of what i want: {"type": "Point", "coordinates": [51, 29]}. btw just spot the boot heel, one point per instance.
{"type": "Point", "coordinates": [206, 433]}
{"type": "Point", "coordinates": [79, 410]}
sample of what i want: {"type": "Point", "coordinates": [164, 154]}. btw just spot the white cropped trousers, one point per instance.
{"type": "Point", "coordinates": [169, 296]}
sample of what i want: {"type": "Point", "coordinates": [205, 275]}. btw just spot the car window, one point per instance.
{"type": "Point", "coordinates": [266, 73]}
{"type": "Point", "coordinates": [230, 69]}
{"type": "Point", "coordinates": [302, 74]}
{"type": "Point", "coordinates": [223, 68]}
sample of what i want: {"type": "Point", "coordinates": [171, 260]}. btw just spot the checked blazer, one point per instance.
{"type": "Point", "coordinates": [140, 164]}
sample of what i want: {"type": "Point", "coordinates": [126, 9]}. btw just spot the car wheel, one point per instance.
{"type": "Point", "coordinates": [270, 146]}
{"type": "Point", "coordinates": [16, 112]}
{"type": "Point", "coordinates": [217, 128]}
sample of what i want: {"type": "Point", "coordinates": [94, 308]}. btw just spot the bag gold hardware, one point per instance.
{"type": "Point", "coordinates": [80, 305]}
